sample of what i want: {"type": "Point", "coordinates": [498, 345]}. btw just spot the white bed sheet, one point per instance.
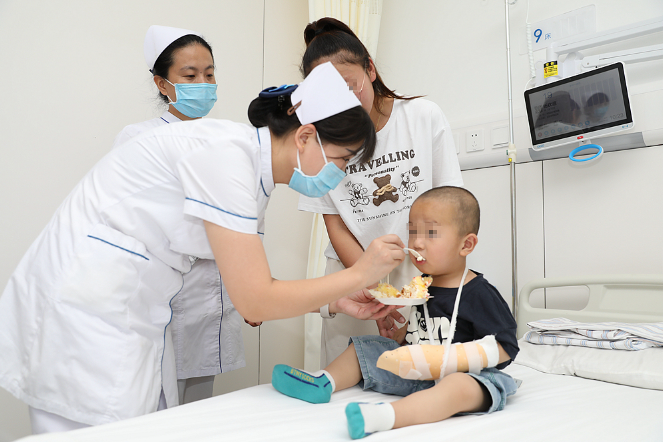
{"type": "Point", "coordinates": [546, 408]}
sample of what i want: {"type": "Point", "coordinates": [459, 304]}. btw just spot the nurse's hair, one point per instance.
{"type": "Point", "coordinates": [166, 58]}
{"type": "Point", "coordinates": [466, 207]}
{"type": "Point", "coordinates": [334, 41]}
{"type": "Point", "coordinates": [346, 128]}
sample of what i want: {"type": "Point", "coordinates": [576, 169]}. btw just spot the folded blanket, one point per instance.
{"type": "Point", "coordinates": [608, 335]}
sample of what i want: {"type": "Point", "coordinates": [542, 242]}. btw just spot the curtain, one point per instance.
{"type": "Point", "coordinates": [363, 17]}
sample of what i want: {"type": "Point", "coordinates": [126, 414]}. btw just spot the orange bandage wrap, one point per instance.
{"type": "Point", "coordinates": [424, 362]}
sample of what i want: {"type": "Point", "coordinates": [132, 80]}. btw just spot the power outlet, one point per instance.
{"type": "Point", "coordinates": [474, 141]}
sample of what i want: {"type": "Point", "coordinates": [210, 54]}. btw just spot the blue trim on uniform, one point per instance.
{"type": "Point", "coordinates": [260, 233]}
{"type": "Point", "coordinates": [220, 321]}
{"type": "Point", "coordinates": [263, 188]}
{"type": "Point", "coordinates": [167, 122]}
{"type": "Point", "coordinates": [261, 184]}
{"type": "Point", "coordinates": [224, 211]}
{"type": "Point", "coordinates": [121, 248]}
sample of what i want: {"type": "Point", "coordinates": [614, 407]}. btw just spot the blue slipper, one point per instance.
{"type": "Point", "coordinates": [300, 385]}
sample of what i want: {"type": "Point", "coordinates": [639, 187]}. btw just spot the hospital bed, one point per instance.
{"type": "Point", "coordinates": [547, 407]}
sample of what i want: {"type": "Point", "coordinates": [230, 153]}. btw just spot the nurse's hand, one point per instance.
{"type": "Point", "coordinates": [381, 256]}
{"type": "Point", "coordinates": [362, 305]}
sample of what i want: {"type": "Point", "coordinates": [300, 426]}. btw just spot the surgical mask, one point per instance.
{"type": "Point", "coordinates": [600, 112]}
{"type": "Point", "coordinates": [194, 100]}
{"type": "Point", "coordinates": [316, 186]}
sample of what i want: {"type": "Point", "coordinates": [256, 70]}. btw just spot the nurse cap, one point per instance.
{"type": "Point", "coordinates": [159, 38]}
{"type": "Point", "coordinates": [322, 94]}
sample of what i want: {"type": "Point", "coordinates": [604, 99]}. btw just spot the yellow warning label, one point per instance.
{"type": "Point", "coordinates": [550, 69]}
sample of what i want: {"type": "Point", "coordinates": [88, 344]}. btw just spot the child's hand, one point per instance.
{"type": "Point", "coordinates": [387, 326]}
{"type": "Point", "coordinates": [362, 305]}
{"type": "Point", "coordinates": [381, 256]}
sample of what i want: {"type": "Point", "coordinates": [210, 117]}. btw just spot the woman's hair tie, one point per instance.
{"type": "Point", "coordinates": [278, 91]}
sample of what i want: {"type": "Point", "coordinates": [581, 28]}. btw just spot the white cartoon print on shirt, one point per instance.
{"type": "Point", "coordinates": [417, 330]}
{"type": "Point", "coordinates": [358, 195]}
{"type": "Point", "coordinates": [407, 183]}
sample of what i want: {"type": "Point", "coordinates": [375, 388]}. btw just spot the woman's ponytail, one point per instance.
{"type": "Point", "coordinates": [273, 112]}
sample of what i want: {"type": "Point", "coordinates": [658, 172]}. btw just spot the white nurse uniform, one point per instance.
{"type": "Point", "coordinates": [83, 317]}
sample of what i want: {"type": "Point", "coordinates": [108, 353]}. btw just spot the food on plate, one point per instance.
{"type": "Point", "coordinates": [386, 291]}
{"type": "Point", "coordinates": [416, 289]}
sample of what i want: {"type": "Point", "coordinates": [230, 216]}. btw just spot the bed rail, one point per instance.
{"type": "Point", "coordinates": [618, 298]}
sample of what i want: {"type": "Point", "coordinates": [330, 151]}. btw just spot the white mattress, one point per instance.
{"type": "Point", "coordinates": [546, 408]}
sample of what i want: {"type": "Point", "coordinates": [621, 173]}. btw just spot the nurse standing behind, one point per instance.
{"type": "Point", "coordinates": [414, 152]}
{"type": "Point", "coordinates": [182, 65]}
{"type": "Point", "coordinates": [83, 317]}
{"type": "Point", "coordinates": [206, 328]}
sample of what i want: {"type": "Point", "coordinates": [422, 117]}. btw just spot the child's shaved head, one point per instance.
{"type": "Point", "coordinates": [466, 206]}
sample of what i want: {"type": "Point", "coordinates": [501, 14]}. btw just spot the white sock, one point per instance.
{"type": "Point", "coordinates": [377, 417]}
{"type": "Point", "coordinates": [326, 373]}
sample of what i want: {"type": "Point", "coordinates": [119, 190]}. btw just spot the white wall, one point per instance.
{"type": "Point", "coordinates": [73, 75]}
{"type": "Point", "coordinates": [596, 218]}
{"type": "Point", "coordinates": [287, 231]}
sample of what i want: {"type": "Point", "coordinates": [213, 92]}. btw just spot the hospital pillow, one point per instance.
{"type": "Point", "coordinates": [635, 368]}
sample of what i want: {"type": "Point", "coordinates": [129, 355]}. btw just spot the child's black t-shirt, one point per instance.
{"type": "Point", "coordinates": [482, 311]}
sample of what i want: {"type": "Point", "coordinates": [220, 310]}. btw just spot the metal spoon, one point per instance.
{"type": "Point", "coordinates": [415, 254]}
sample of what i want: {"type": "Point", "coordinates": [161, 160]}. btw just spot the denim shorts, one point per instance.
{"type": "Point", "coordinates": [369, 348]}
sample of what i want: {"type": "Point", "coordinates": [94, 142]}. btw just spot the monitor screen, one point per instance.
{"type": "Point", "coordinates": [591, 104]}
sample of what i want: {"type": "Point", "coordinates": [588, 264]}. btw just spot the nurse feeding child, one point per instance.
{"type": "Point", "coordinates": [84, 317]}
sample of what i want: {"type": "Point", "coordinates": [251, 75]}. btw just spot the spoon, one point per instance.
{"type": "Point", "coordinates": [415, 254]}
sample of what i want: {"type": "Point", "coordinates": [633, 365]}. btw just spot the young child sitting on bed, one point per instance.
{"type": "Point", "coordinates": [443, 225]}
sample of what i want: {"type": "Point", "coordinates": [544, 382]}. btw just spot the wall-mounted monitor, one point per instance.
{"type": "Point", "coordinates": [585, 106]}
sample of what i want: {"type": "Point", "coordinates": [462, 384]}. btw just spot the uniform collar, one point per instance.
{"type": "Point", "coordinates": [266, 177]}
{"type": "Point", "coordinates": [169, 118]}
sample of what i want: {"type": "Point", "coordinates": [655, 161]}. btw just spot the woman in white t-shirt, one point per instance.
{"type": "Point", "coordinates": [206, 328]}
{"type": "Point", "coordinates": [414, 152]}
{"type": "Point", "coordinates": [83, 317]}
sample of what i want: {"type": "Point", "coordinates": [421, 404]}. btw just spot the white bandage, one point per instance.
{"type": "Point", "coordinates": [424, 362]}
{"type": "Point", "coordinates": [420, 364]}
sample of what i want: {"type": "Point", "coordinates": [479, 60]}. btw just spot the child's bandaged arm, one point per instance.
{"type": "Point", "coordinates": [424, 362]}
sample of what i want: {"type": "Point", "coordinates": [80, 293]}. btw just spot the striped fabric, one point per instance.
{"type": "Point", "coordinates": [608, 335]}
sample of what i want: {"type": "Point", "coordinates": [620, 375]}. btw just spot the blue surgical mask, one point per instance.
{"type": "Point", "coordinates": [316, 186]}
{"type": "Point", "coordinates": [194, 100]}
{"type": "Point", "coordinates": [600, 112]}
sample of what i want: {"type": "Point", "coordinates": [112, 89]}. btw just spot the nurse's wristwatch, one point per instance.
{"type": "Point", "coordinates": [324, 312]}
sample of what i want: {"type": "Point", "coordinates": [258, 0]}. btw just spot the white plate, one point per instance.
{"type": "Point", "coordinates": [400, 301]}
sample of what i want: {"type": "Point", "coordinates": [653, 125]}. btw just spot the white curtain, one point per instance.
{"type": "Point", "coordinates": [363, 17]}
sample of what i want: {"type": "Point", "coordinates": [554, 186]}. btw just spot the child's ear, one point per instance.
{"type": "Point", "coordinates": [469, 243]}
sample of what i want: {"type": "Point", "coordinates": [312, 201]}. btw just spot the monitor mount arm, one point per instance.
{"type": "Point", "coordinates": [575, 62]}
